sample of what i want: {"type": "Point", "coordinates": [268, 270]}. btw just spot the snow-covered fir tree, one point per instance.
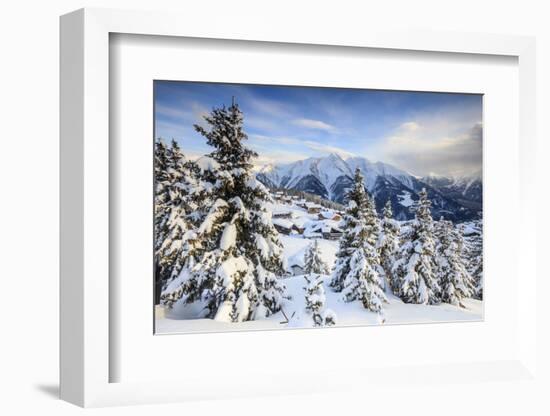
{"type": "Point", "coordinates": [478, 280]}
{"type": "Point", "coordinates": [454, 280]}
{"type": "Point", "coordinates": [175, 187]}
{"type": "Point", "coordinates": [239, 254]}
{"type": "Point", "coordinates": [473, 255]}
{"type": "Point", "coordinates": [313, 263]}
{"type": "Point", "coordinates": [315, 297]}
{"type": "Point", "coordinates": [162, 194]}
{"type": "Point", "coordinates": [356, 272]}
{"type": "Point", "coordinates": [315, 301]}
{"type": "Point", "coordinates": [415, 265]}
{"type": "Point", "coordinates": [372, 221]}
{"type": "Point", "coordinates": [388, 245]}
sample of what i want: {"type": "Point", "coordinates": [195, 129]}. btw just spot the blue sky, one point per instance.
{"type": "Point", "coordinates": [419, 132]}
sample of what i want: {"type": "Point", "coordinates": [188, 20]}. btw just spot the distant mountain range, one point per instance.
{"type": "Point", "coordinates": [330, 177]}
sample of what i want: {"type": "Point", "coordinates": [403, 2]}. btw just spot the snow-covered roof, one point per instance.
{"type": "Point", "coordinates": [325, 226]}
{"type": "Point", "coordinates": [281, 212]}
{"type": "Point", "coordinates": [281, 222]}
{"type": "Point", "coordinates": [301, 221]}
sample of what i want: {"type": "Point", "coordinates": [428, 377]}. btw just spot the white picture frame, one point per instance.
{"type": "Point", "coordinates": [87, 356]}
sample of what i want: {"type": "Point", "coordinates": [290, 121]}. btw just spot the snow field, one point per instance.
{"type": "Point", "coordinates": [185, 318]}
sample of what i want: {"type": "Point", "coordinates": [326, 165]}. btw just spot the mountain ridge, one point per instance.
{"type": "Point", "coordinates": [331, 176]}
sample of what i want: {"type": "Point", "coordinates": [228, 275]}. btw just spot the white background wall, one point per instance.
{"type": "Point", "coordinates": [29, 205]}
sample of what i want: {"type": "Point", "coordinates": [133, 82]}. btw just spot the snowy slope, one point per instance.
{"type": "Point", "coordinates": [189, 318]}
{"type": "Point", "coordinates": [181, 320]}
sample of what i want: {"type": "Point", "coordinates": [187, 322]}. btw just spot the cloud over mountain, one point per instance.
{"type": "Point", "coordinates": [429, 149]}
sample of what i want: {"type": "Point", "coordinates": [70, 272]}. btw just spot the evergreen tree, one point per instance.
{"type": "Point", "coordinates": [162, 195]}
{"type": "Point", "coordinates": [354, 215]}
{"type": "Point", "coordinates": [313, 263]}
{"type": "Point", "coordinates": [315, 301]}
{"type": "Point", "coordinates": [160, 209]}
{"type": "Point", "coordinates": [239, 253]}
{"type": "Point", "coordinates": [478, 279]}
{"type": "Point", "coordinates": [356, 272]}
{"type": "Point", "coordinates": [478, 290]}
{"type": "Point", "coordinates": [473, 255]}
{"type": "Point", "coordinates": [415, 267]}
{"type": "Point", "coordinates": [372, 221]}
{"type": "Point", "coordinates": [454, 280]}
{"type": "Point", "coordinates": [175, 184]}
{"type": "Point", "coordinates": [314, 291]}
{"type": "Point", "coordinates": [388, 245]}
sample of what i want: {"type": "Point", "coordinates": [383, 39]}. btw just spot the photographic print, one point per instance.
{"type": "Point", "coordinates": [308, 207]}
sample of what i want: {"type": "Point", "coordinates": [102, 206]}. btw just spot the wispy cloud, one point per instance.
{"type": "Point", "coordinates": [172, 112]}
{"type": "Point", "coordinates": [313, 124]}
{"type": "Point", "coordinates": [199, 111]}
{"type": "Point", "coordinates": [270, 108]}
{"type": "Point", "coordinates": [303, 147]}
{"type": "Point", "coordinates": [184, 112]}
{"type": "Point", "coordinates": [278, 157]}
{"type": "Point", "coordinates": [327, 149]}
{"type": "Point", "coordinates": [409, 126]}
{"type": "Point", "coordinates": [276, 140]}
{"type": "Point", "coordinates": [272, 150]}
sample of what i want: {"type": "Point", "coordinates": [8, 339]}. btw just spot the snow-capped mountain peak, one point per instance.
{"type": "Point", "coordinates": [327, 172]}
{"type": "Point", "coordinates": [330, 177]}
